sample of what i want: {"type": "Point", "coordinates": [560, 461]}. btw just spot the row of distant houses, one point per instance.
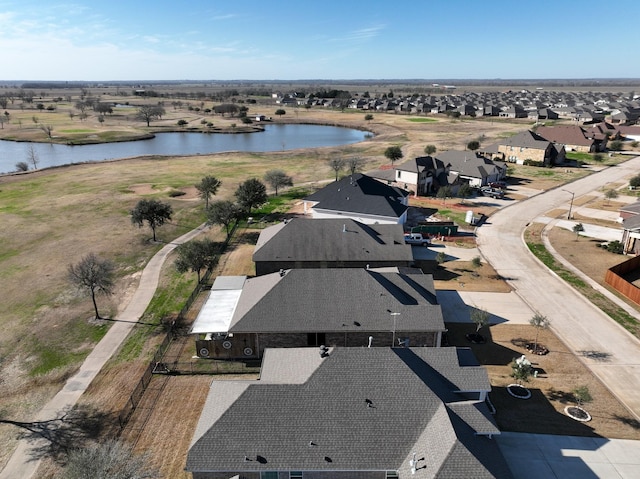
{"type": "Point", "coordinates": [582, 107]}
{"type": "Point", "coordinates": [354, 382]}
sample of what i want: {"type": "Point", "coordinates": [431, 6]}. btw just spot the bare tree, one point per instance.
{"type": "Point", "coordinates": [150, 112]}
{"type": "Point", "coordinates": [94, 276]}
{"type": "Point", "coordinates": [48, 129]}
{"type": "Point", "coordinates": [108, 459]}
{"type": "Point", "coordinates": [336, 165]}
{"type": "Point", "coordinates": [22, 166]}
{"type": "Point", "coordinates": [355, 164]}
{"type": "Point", "coordinates": [32, 157]}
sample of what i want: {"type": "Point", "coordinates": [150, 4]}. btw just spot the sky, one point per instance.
{"type": "Point", "coordinates": [330, 40]}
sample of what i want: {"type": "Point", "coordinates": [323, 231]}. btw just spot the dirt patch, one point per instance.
{"type": "Point", "coordinates": [559, 373]}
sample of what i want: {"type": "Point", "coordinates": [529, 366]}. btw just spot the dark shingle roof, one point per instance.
{"type": "Point", "coordinates": [332, 240]}
{"type": "Point", "coordinates": [337, 299]}
{"type": "Point", "coordinates": [467, 163]}
{"type": "Point", "coordinates": [565, 134]}
{"type": "Point", "coordinates": [360, 194]}
{"type": "Point", "coordinates": [526, 139]}
{"type": "Point", "coordinates": [422, 163]}
{"type": "Point", "coordinates": [361, 409]}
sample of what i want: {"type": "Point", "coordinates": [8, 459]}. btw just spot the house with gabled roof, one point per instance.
{"type": "Point", "coordinates": [345, 413]}
{"type": "Point", "coordinates": [472, 168]}
{"type": "Point", "coordinates": [309, 307]}
{"type": "Point", "coordinates": [359, 197]}
{"type": "Point", "coordinates": [526, 147]}
{"type": "Point", "coordinates": [573, 137]}
{"type": "Point", "coordinates": [330, 243]}
{"type": "Point", "coordinates": [420, 175]}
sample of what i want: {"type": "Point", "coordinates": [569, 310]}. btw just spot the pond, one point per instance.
{"type": "Point", "coordinates": [274, 138]}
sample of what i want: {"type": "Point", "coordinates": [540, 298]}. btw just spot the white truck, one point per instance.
{"type": "Point", "coordinates": [417, 239]}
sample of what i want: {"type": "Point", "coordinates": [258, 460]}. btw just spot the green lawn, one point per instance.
{"type": "Point", "coordinates": [422, 120]}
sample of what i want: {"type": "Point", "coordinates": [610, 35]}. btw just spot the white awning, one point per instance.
{"type": "Point", "coordinates": [217, 312]}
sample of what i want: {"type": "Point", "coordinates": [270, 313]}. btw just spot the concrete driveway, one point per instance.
{"type": "Point", "coordinates": [537, 456]}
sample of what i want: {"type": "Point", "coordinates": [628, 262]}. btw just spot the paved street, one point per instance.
{"type": "Point", "coordinates": [607, 349]}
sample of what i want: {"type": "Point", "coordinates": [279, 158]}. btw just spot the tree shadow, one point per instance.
{"type": "Point", "coordinates": [248, 238]}
{"type": "Point", "coordinates": [595, 355]}
{"type": "Point", "coordinates": [54, 438]}
{"type": "Point", "coordinates": [489, 353]}
{"type": "Point", "coordinates": [631, 422]}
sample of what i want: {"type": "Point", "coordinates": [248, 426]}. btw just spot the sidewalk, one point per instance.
{"type": "Point", "coordinates": [21, 465]}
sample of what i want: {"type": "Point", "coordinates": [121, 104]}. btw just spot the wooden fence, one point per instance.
{"type": "Point", "coordinates": [615, 277]}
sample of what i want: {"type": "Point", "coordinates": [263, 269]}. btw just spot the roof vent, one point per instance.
{"type": "Point", "coordinates": [369, 402]}
{"type": "Point", "coordinates": [324, 351]}
{"type": "Point", "coordinates": [282, 273]}
{"type": "Point", "coordinates": [344, 228]}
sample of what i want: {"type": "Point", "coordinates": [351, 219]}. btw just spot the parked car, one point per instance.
{"type": "Point", "coordinates": [417, 239]}
{"type": "Point", "coordinates": [498, 184]}
{"type": "Point", "coordinates": [492, 192]}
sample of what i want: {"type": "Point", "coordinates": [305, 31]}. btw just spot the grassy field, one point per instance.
{"type": "Point", "coordinates": [51, 218]}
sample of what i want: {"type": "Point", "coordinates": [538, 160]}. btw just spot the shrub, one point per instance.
{"type": "Point", "coordinates": [635, 181]}
{"type": "Point", "coordinates": [615, 145]}
{"type": "Point", "coordinates": [175, 193]}
{"type": "Point", "coordinates": [182, 122]}
{"type": "Point", "coordinates": [615, 247]}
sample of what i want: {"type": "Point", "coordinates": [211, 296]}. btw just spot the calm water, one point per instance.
{"type": "Point", "coordinates": [274, 138]}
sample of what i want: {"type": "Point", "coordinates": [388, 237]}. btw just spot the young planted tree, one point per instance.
{"type": "Point", "coordinates": [393, 154]}
{"type": "Point", "coordinates": [277, 179]}
{"type": "Point", "coordinates": [539, 322]}
{"type": "Point", "coordinates": [224, 213]}
{"type": "Point", "coordinates": [196, 255]}
{"type": "Point", "coordinates": [443, 193]}
{"type": "Point", "coordinates": [251, 194]}
{"type": "Point", "coordinates": [207, 188]}
{"type": "Point", "coordinates": [577, 229]}
{"type": "Point", "coordinates": [476, 262]}
{"type": "Point", "coordinates": [521, 370]}
{"type": "Point", "coordinates": [93, 275]}
{"type": "Point", "coordinates": [154, 212]}
{"type": "Point", "coordinates": [635, 181]}
{"type": "Point", "coordinates": [480, 317]}
{"type": "Point", "coordinates": [464, 191]}
{"type": "Point", "coordinates": [336, 164]}
{"type": "Point", "coordinates": [610, 195]}
{"type": "Point", "coordinates": [441, 258]}
{"type": "Point", "coordinates": [582, 395]}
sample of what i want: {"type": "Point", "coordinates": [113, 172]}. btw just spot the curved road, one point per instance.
{"type": "Point", "coordinates": [22, 465]}
{"type": "Point", "coordinates": [605, 347]}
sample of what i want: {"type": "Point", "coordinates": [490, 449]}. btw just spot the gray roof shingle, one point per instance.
{"type": "Point", "coordinates": [332, 240]}
{"type": "Point", "coordinates": [361, 409]}
{"type": "Point", "coordinates": [337, 299]}
{"type": "Point", "coordinates": [360, 194]}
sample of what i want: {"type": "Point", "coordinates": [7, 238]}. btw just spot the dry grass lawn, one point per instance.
{"type": "Point", "coordinates": [51, 218]}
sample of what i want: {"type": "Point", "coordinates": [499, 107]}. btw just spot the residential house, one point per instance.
{"type": "Point", "coordinates": [330, 243]}
{"type": "Point", "coordinates": [526, 146]}
{"type": "Point", "coordinates": [420, 175]}
{"type": "Point", "coordinates": [630, 219]}
{"type": "Point", "coordinates": [513, 111]}
{"type": "Point", "coordinates": [631, 133]}
{"type": "Point", "coordinates": [573, 137]}
{"type": "Point", "coordinates": [310, 307]}
{"type": "Point", "coordinates": [361, 198]}
{"type": "Point", "coordinates": [472, 168]}
{"type": "Point", "coordinates": [351, 413]}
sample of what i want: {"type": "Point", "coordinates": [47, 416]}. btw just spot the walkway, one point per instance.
{"type": "Point", "coordinates": [21, 465]}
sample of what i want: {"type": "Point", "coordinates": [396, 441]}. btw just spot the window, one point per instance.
{"type": "Point", "coordinates": [399, 173]}
{"type": "Point", "coordinates": [295, 474]}
{"type": "Point", "coordinates": [392, 475]}
{"type": "Point", "coordinates": [269, 475]}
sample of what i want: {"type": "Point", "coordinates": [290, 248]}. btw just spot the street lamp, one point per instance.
{"type": "Point", "coordinates": [570, 204]}
{"type": "Point", "coordinates": [393, 339]}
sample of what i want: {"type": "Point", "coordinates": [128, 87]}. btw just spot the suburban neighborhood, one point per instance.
{"type": "Point", "coordinates": [392, 317]}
